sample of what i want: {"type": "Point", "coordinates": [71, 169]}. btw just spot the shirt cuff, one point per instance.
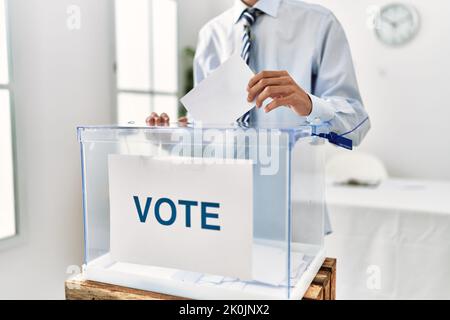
{"type": "Point", "coordinates": [321, 110]}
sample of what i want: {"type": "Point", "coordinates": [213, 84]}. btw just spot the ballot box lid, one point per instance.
{"type": "Point", "coordinates": [115, 132]}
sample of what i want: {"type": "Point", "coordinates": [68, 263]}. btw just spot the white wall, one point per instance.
{"type": "Point", "coordinates": [192, 15]}
{"type": "Point", "coordinates": [405, 89]}
{"type": "Point", "coordinates": [62, 79]}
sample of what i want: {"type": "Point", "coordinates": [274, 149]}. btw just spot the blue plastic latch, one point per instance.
{"type": "Point", "coordinates": [336, 139]}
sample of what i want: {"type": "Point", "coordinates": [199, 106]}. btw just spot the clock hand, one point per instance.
{"type": "Point", "coordinates": [396, 23]}
{"type": "Point", "coordinates": [392, 23]}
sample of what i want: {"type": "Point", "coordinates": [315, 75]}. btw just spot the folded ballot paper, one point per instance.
{"type": "Point", "coordinates": [221, 98]}
{"type": "Point", "coordinates": [269, 268]}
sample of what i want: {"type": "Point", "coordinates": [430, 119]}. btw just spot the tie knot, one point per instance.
{"type": "Point", "coordinates": [250, 15]}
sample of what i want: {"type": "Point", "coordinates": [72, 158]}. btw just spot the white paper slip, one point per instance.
{"type": "Point", "coordinates": [269, 264]}
{"type": "Point", "coordinates": [187, 276]}
{"type": "Point", "coordinates": [212, 278]}
{"type": "Point", "coordinates": [221, 98]}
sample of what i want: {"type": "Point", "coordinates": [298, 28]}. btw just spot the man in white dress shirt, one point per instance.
{"type": "Point", "coordinates": [302, 62]}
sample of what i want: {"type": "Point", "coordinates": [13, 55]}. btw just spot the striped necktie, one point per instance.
{"type": "Point", "coordinates": [249, 16]}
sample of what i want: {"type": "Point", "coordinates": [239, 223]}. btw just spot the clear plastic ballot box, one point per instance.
{"type": "Point", "coordinates": [204, 212]}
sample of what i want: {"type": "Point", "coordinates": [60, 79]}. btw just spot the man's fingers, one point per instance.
{"type": "Point", "coordinates": [157, 120]}
{"type": "Point", "coordinates": [266, 74]}
{"type": "Point", "coordinates": [278, 102]}
{"type": "Point", "coordinates": [272, 92]}
{"type": "Point", "coordinates": [261, 84]}
{"type": "Point", "coordinates": [165, 120]}
{"type": "Point", "coordinates": [152, 119]}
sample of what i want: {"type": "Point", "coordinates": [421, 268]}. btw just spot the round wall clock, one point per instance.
{"type": "Point", "coordinates": [397, 24]}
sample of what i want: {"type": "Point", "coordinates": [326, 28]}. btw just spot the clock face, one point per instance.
{"type": "Point", "coordinates": [397, 24]}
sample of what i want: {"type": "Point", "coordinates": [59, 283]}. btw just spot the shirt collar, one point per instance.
{"type": "Point", "coordinates": [269, 7]}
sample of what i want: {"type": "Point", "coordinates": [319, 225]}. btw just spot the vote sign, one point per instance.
{"type": "Point", "coordinates": [195, 216]}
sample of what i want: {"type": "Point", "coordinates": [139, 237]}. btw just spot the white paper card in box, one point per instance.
{"type": "Point", "coordinates": [194, 216]}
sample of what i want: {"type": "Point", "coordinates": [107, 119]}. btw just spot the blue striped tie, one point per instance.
{"type": "Point", "coordinates": [249, 15]}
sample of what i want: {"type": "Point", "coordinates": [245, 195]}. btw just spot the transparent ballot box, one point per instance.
{"type": "Point", "coordinates": [204, 212]}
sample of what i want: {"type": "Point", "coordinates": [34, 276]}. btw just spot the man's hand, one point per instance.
{"type": "Point", "coordinates": [162, 120]}
{"type": "Point", "coordinates": [284, 91]}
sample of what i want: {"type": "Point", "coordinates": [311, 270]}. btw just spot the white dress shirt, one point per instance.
{"type": "Point", "coordinates": [307, 41]}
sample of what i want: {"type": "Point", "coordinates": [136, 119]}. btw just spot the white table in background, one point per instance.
{"type": "Point", "coordinates": [391, 242]}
